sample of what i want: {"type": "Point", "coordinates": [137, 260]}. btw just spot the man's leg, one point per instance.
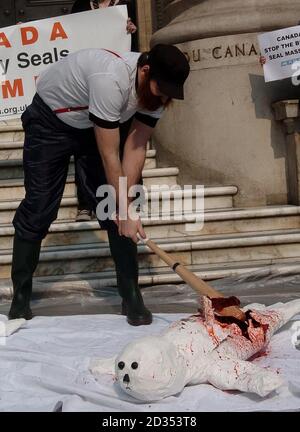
{"type": "Point", "coordinates": [125, 256]}
{"type": "Point", "coordinates": [24, 262]}
{"type": "Point", "coordinates": [45, 170]}
{"type": "Point", "coordinates": [85, 212]}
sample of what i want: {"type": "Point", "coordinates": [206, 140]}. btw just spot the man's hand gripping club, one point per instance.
{"type": "Point", "coordinates": [108, 141]}
{"type": "Point", "coordinates": [131, 228]}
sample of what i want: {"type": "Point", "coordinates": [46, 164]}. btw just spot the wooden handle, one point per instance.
{"type": "Point", "coordinates": [194, 281]}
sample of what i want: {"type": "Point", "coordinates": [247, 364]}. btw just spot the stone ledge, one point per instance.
{"type": "Point", "coordinates": [286, 109]}
{"type": "Point", "coordinates": [219, 18]}
{"type": "Point", "coordinates": [209, 215]}
{"type": "Point", "coordinates": [174, 245]}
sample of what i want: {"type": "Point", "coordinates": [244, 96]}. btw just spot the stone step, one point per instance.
{"type": "Point", "coordinates": [13, 168]}
{"type": "Point", "coordinates": [155, 176]}
{"type": "Point", "coordinates": [196, 250]}
{"type": "Point", "coordinates": [11, 131]}
{"type": "Point", "coordinates": [13, 150]}
{"type": "Point", "coordinates": [10, 123]}
{"type": "Point", "coordinates": [70, 232]}
{"type": "Point", "coordinates": [90, 283]}
{"type": "Point", "coordinates": [215, 197]}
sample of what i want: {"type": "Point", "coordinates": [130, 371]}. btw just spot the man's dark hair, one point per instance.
{"type": "Point", "coordinates": [143, 59]}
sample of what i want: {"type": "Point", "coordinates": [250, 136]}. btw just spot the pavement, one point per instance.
{"type": "Point", "coordinates": [258, 287]}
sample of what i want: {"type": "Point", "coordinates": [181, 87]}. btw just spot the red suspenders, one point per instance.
{"type": "Point", "coordinates": [112, 52]}
{"type": "Point", "coordinates": [63, 110]}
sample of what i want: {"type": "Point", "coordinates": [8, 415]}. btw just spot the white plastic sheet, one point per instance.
{"type": "Point", "coordinates": [44, 367]}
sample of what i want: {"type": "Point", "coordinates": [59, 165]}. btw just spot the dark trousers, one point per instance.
{"type": "Point", "coordinates": [49, 144]}
{"type": "Point", "coordinates": [83, 203]}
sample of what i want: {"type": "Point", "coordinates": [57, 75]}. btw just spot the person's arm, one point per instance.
{"type": "Point", "coordinates": [108, 142]}
{"type": "Point", "coordinates": [135, 151]}
{"type": "Point", "coordinates": [132, 165]}
{"type": "Point", "coordinates": [106, 99]}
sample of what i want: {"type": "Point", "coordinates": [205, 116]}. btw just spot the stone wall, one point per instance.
{"type": "Point", "coordinates": [225, 131]}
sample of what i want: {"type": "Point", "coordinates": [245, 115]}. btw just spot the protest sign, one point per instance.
{"type": "Point", "coordinates": [28, 48]}
{"type": "Point", "coordinates": [281, 48]}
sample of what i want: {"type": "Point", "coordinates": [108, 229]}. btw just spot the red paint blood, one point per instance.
{"type": "Point", "coordinates": [259, 354]}
{"type": "Point", "coordinates": [246, 337]}
{"type": "Point", "coordinates": [244, 326]}
{"type": "Point", "coordinates": [236, 371]}
{"type": "Point", "coordinates": [233, 392]}
{"type": "Point", "coordinates": [219, 303]}
{"type": "Point", "coordinates": [211, 333]}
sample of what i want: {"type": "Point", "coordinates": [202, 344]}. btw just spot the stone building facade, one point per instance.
{"type": "Point", "coordinates": [225, 132]}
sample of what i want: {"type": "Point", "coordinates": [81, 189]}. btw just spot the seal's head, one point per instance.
{"type": "Point", "coordinates": [150, 369]}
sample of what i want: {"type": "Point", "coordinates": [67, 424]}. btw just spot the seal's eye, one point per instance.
{"type": "Point", "coordinates": [134, 365]}
{"type": "Point", "coordinates": [121, 365]}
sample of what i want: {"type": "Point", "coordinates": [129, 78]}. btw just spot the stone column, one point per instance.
{"type": "Point", "coordinates": [225, 132]}
{"type": "Point", "coordinates": [287, 111]}
{"type": "Point", "coordinates": [144, 20]}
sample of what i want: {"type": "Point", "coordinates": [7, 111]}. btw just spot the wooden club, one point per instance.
{"type": "Point", "coordinates": [194, 281]}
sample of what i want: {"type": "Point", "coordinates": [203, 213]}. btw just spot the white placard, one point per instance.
{"type": "Point", "coordinates": [281, 48]}
{"type": "Point", "coordinates": [27, 49]}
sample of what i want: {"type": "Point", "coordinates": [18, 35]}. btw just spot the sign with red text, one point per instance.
{"type": "Point", "coordinates": [27, 49]}
{"type": "Point", "coordinates": [281, 49]}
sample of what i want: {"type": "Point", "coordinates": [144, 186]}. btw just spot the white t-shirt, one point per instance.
{"type": "Point", "coordinates": [97, 86]}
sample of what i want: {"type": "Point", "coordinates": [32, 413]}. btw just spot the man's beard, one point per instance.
{"type": "Point", "coordinates": [146, 99]}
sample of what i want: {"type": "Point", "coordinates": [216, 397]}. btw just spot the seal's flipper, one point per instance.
{"type": "Point", "coordinates": [100, 366]}
{"type": "Point", "coordinates": [243, 376]}
{"type": "Point", "coordinates": [9, 327]}
{"type": "Point", "coordinates": [287, 310]}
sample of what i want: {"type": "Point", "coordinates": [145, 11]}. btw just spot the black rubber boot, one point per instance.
{"type": "Point", "coordinates": [124, 253]}
{"type": "Point", "coordinates": [25, 259]}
